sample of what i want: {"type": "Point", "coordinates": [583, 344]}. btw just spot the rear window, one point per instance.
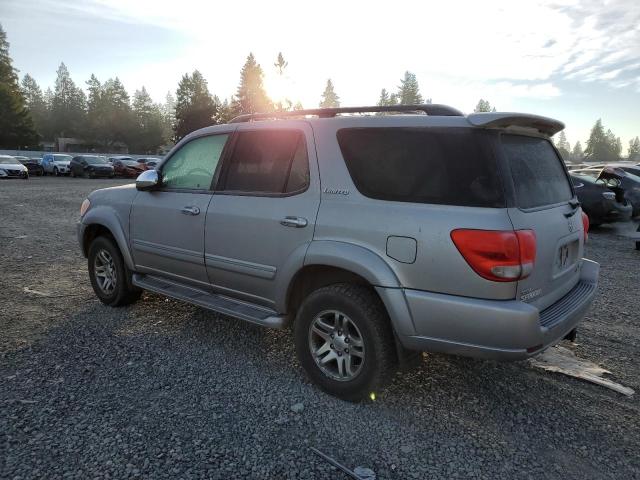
{"type": "Point", "coordinates": [538, 175]}
{"type": "Point", "coordinates": [423, 165]}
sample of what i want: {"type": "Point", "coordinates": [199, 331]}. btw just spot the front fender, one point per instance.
{"type": "Point", "coordinates": [107, 217]}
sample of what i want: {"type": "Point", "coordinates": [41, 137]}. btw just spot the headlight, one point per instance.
{"type": "Point", "coordinates": [3, 173]}
{"type": "Point", "coordinates": [84, 207]}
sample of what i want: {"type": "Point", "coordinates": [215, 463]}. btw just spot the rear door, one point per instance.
{"type": "Point", "coordinates": [262, 215]}
{"type": "Point", "coordinates": [543, 201]}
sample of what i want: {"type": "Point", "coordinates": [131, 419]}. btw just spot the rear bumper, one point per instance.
{"type": "Point", "coordinates": [494, 329]}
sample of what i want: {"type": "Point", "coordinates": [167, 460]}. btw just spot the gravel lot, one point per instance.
{"type": "Point", "coordinates": [162, 389]}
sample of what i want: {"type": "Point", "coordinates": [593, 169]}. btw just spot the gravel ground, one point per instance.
{"type": "Point", "coordinates": [162, 389]}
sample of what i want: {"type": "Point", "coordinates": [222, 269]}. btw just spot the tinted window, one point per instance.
{"type": "Point", "coordinates": [423, 165]}
{"type": "Point", "coordinates": [193, 166]}
{"type": "Point", "coordinates": [538, 175]}
{"type": "Point", "coordinates": [268, 161]}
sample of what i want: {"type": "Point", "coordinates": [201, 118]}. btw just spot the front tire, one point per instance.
{"type": "Point", "coordinates": [56, 172]}
{"type": "Point", "coordinates": [110, 278]}
{"type": "Point", "coordinates": [344, 341]}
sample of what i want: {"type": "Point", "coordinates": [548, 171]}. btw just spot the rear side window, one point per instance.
{"type": "Point", "coordinates": [538, 175]}
{"type": "Point", "coordinates": [423, 165]}
{"type": "Point", "coordinates": [268, 162]}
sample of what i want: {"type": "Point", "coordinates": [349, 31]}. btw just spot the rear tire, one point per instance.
{"type": "Point", "coordinates": [56, 172]}
{"type": "Point", "coordinates": [348, 324]}
{"type": "Point", "coordinates": [110, 278]}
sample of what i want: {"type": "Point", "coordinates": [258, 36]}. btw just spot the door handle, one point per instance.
{"type": "Point", "coordinates": [297, 222]}
{"type": "Point", "coordinates": [190, 210]}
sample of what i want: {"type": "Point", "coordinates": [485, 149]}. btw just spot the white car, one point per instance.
{"type": "Point", "coordinates": [10, 167]}
{"type": "Point", "coordinates": [56, 163]}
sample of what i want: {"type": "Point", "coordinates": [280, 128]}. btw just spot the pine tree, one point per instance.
{"type": "Point", "coordinates": [383, 101]}
{"type": "Point", "coordinates": [68, 106]}
{"type": "Point", "coordinates": [298, 106]}
{"type": "Point", "coordinates": [577, 154]}
{"type": "Point", "coordinates": [280, 64]}
{"type": "Point", "coordinates": [282, 104]}
{"type": "Point", "coordinates": [615, 146]}
{"type": "Point", "coordinates": [329, 97]}
{"type": "Point", "coordinates": [409, 91]}
{"type": "Point", "coordinates": [16, 125]}
{"type": "Point", "coordinates": [387, 99]}
{"type": "Point", "coordinates": [563, 146]}
{"type": "Point", "coordinates": [194, 105]}
{"type": "Point", "coordinates": [634, 149]}
{"type": "Point", "coordinates": [251, 96]}
{"type": "Point", "coordinates": [150, 129]}
{"type": "Point", "coordinates": [483, 106]}
{"type": "Point", "coordinates": [169, 116]}
{"type": "Point", "coordinates": [597, 145]}
{"type": "Point", "coordinates": [34, 99]}
{"type": "Point", "coordinates": [224, 112]}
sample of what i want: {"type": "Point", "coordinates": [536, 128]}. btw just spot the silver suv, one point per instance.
{"type": "Point", "coordinates": [373, 236]}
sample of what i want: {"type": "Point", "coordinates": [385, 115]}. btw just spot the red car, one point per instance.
{"type": "Point", "coordinates": [127, 167]}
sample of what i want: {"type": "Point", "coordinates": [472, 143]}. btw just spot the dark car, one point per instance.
{"type": "Point", "coordinates": [629, 182]}
{"type": "Point", "coordinates": [632, 169]}
{"type": "Point", "coordinates": [602, 200]}
{"type": "Point", "coordinates": [91, 166]}
{"type": "Point", "coordinates": [127, 167]}
{"type": "Point", "coordinates": [33, 165]}
{"type": "Point", "coordinates": [150, 162]}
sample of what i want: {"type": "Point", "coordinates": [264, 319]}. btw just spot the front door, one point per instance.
{"type": "Point", "coordinates": [167, 224]}
{"type": "Point", "coordinates": [262, 215]}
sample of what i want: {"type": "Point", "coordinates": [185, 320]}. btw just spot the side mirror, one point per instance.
{"type": "Point", "coordinates": [148, 180]}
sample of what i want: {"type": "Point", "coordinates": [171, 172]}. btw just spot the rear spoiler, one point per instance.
{"type": "Point", "coordinates": [545, 125]}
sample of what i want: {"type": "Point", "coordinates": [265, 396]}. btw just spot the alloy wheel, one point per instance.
{"type": "Point", "coordinates": [336, 345]}
{"type": "Point", "coordinates": [105, 271]}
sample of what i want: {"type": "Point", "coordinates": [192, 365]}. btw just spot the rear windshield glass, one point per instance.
{"type": "Point", "coordinates": [538, 175]}
{"type": "Point", "coordinates": [423, 165]}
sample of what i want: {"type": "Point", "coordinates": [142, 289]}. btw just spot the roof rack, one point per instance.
{"type": "Point", "coordinates": [429, 109]}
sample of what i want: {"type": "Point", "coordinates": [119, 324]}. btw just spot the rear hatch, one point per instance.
{"type": "Point", "coordinates": [543, 201]}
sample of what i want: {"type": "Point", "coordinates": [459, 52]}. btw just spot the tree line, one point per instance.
{"type": "Point", "coordinates": [106, 116]}
{"type": "Point", "coordinates": [602, 146]}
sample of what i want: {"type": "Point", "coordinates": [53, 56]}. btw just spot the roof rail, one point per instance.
{"type": "Point", "coordinates": [429, 109]}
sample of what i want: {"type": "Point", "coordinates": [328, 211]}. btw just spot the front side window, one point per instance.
{"type": "Point", "coordinates": [268, 162]}
{"type": "Point", "coordinates": [193, 166]}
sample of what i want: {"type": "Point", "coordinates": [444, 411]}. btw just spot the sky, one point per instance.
{"type": "Point", "coordinates": [576, 61]}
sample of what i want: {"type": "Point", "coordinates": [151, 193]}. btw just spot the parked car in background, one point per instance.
{"type": "Point", "coordinates": [33, 165]}
{"type": "Point", "coordinates": [629, 168]}
{"type": "Point", "coordinates": [56, 163]}
{"type": "Point", "coordinates": [602, 200]}
{"type": "Point", "coordinates": [150, 162]}
{"type": "Point", "coordinates": [128, 167]}
{"type": "Point", "coordinates": [374, 237]}
{"type": "Point", "coordinates": [12, 168]}
{"type": "Point", "coordinates": [628, 181]}
{"type": "Point", "coordinates": [91, 166]}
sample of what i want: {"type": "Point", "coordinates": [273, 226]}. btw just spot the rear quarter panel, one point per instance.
{"type": "Point", "coordinates": [348, 216]}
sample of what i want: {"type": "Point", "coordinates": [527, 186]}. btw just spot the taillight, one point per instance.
{"type": "Point", "coordinates": [500, 256]}
{"type": "Point", "coordinates": [585, 226]}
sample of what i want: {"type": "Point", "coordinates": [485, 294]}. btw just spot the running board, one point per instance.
{"type": "Point", "coordinates": [211, 301]}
